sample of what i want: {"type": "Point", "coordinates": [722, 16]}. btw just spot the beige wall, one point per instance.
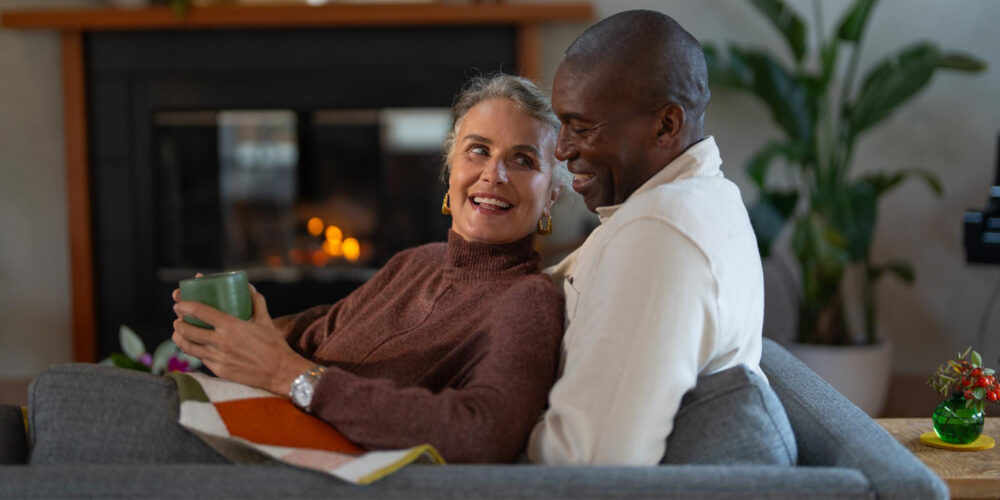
{"type": "Point", "coordinates": [951, 129]}
{"type": "Point", "coordinates": [34, 266]}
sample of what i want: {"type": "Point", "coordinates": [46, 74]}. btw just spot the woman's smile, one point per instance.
{"type": "Point", "coordinates": [490, 204]}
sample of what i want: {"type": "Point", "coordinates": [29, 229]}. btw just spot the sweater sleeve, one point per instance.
{"type": "Point", "coordinates": [485, 418]}
{"type": "Point", "coordinates": [645, 324]}
{"type": "Point", "coordinates": [306, 331]}
{"type": "Point", "coordinates": [295, 326]}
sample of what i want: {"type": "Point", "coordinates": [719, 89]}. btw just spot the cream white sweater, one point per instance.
{"type": "Point", "coordinates": [668, 287]}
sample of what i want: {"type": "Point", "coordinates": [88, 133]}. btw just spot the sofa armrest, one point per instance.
{"type": "Point", "coordinates": [831, 431]}
{"type": "Point", "coordinates": [13, 440]}
{"type": "Point", "coordinates": [458, 482]}
{"type": "Point", "coordinates": [83, 413]}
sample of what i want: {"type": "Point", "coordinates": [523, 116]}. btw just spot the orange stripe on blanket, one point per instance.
{"type": "Point", "coordinates": [276, 422]}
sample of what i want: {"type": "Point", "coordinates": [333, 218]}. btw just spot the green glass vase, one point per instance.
{"type": "Point", "coordinates": [956, 424]}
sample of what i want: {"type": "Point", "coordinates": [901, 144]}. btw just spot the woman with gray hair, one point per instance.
{"type": "Point", "coordinates": [453, 344]}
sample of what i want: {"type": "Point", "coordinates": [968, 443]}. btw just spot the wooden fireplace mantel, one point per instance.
{"type": "Point", "coordinates": [296, 16]}
{"type": "Point", "coordinates": [74, 23]}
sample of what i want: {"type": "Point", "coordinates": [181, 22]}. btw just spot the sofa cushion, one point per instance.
{"type": "Point", "coordinates": [731, 417]}
{"type": "Point", "coordinates": [103, 415]}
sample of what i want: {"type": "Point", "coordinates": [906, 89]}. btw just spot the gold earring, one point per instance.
{"type": "Point", "coordinates": [445, 206]}
{"type": "Point", "coordinates": [546, 229]}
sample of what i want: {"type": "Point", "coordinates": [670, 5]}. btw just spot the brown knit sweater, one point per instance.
{"type": "Point", "coordinates": [453, 345]}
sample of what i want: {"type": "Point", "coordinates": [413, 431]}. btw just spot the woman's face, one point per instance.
{"type": "Point", "coordinates": [501, 173]}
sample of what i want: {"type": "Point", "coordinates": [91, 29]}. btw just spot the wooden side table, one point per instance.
{"type": "Point", "coordinates": [969, 474]}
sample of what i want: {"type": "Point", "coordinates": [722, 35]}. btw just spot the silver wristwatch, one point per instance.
{"type": "Point", "coordinates": [301, 392]}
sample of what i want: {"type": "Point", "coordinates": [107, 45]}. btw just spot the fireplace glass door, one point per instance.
{"type": "Point", "coordinates": [289, 196]}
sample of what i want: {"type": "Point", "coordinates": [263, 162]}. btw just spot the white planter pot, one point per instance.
{"type": "Point", "coordinates": [861, 373]}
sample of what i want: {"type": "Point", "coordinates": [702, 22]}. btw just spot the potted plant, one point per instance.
{"type": "Point", "coordinates": [822, 113]}
{"type": "Point", "coordinates": [966, 386]}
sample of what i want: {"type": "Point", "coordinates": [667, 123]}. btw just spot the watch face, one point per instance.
{"type": "Point", "coordinates": [302, 393]}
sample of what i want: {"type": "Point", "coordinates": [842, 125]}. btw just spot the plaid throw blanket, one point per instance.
{"type": "Point", "coordinates": [248, 425]}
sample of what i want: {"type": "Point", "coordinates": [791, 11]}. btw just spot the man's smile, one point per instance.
{"type": "Point", "coordinates": [581, 182]}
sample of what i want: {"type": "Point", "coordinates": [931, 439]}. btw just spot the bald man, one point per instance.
{"type": "Point", "coordinates": [669, 286]}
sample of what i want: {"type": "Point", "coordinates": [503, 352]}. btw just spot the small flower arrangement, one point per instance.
{"type": "Point", "coordinates": [165, 359]}
{"type": "Point", "coordinates": [968, 378]}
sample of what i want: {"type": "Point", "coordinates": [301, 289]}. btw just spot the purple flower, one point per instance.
{"type": "Point", "coordinates": [176, 364]}
{"type": "Point", "coordinates": [146, 359]}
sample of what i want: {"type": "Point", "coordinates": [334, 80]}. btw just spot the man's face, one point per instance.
{"type": "Point", "coordinates": [604, 139]}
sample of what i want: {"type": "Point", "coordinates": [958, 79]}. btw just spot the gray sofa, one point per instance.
{"type": "Point", "coordinates": [841, 453]}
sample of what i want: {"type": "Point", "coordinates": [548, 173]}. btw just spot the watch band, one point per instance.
{"type": "Point", "coordinates": [303, 387]}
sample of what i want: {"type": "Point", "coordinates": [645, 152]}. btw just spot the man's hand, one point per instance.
{"type": "Point", "coordinates": [250, 352]}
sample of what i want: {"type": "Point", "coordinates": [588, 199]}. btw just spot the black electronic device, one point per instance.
{"type": "Point", "coordinates": [982, 227]}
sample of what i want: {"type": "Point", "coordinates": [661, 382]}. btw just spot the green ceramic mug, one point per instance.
{"type": "Point", "coordinates": [228, 292]}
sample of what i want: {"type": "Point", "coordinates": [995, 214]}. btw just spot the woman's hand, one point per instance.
{"type": "Point", "coordinates": [250, 352]}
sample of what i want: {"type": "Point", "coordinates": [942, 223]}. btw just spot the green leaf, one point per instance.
{"type": "Point", "coordinates": [851, 210]}
{"type": "Point", "coordinates": [829, 54]}
{"type": "Point", "coordinates": [122, 361]}
{"type": "Point", "coordinates": [760, 163]}
{"type": "Point", "coordinates": [976, 360]}
{"type": "Point", "coordinates": [853, 23]}
{"type": "Point", "coordinates": [899, 268]}
{"type": "Point", "coordinates": [988, 371]}
{"type": "Point", "coordinates": [859, 230]}
{"type": "Point", "coordinates": [131, 343]}
{"type": "Point", "coordinates": [787, 22]}
{"type": "Point", "coordinates": [979, 392]}
{"type": "Point", "coordinates": [162, 355]}
{"type": "Point", "coordinates": [902, 270]}
{"type": "Point", "coordinates": [961, 62]}
{"type": "Point", "coordinates": [714, 62]}
{"type": "Point", "coordinates": [731, 72]}
{"type": "Point", "coordinates": [793, 106]}
{"type": "Point", "coordinates": [897, 79]}
{"type": "Point", "coordinates": [768, 216]}
{"type": "Point", "coordinates": [882, 182]}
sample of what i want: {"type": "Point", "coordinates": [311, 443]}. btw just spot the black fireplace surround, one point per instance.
{"type": "Point", "coordinates": [133, 76]}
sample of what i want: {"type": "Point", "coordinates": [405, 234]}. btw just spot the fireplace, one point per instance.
{"type": "Point", "coordinates": [306, 157]}
{"type": "Point", "coordinates": [205, 63]}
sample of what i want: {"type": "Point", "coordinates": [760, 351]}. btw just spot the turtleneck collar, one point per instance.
{"type": "Point", "coordinates": [479, 260]}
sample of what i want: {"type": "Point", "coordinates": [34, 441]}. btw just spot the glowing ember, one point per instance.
{"type": "Point", "coordinates": [315, 226]}
{"type": "Point", "coordinates": [352, 249]}
{"type": "Point", "coordinates": [296, 256]}
{"type": "Point", "coordinates": [319, 258]}
{"type": "Point", "coordinates": [332, 248]}
{"type": "Point", "coordinates": [333, 233]}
